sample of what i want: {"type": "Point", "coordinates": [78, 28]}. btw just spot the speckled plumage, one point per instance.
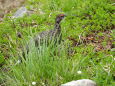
{"type": "Point", "coordinates": [51, 35]}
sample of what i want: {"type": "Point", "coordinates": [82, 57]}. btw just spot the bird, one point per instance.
{"type": "Point", "coordinates": [51, 35]}
{"type": "Point", "coordinates": [54, 35]}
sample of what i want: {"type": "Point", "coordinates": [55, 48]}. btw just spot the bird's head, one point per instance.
{"type": "Point", "coordinates": [59, 18]}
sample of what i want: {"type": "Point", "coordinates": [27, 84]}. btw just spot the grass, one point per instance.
{"type": "Point", "coordinates": [52, 66]}
{"type": "Point", "coordinates": [48, 68]}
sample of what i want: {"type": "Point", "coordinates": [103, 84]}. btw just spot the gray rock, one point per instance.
{"type": "Point", "coordinates": [82, 82]}
{"type": "Point", "coordinates": [20, 13]}
{"type": "Point", "coordinates": [113, 49]}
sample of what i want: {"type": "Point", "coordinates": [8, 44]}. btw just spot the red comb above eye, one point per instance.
{"type": "Point", "coordinates": [61, 15]}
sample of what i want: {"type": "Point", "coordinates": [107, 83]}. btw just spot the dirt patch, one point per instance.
{"type": "Point", "coordinates": [100, 40]}
{"type": "Point", "coordinates": [7, 5]}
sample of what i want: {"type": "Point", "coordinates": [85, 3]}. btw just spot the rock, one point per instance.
{"type": "Point", "coordinates": [7, 5]}
{"type": "Point", "coordinates": [113, 49]}
{"type": "Point", "coordinates": [20, 13]}
{"type": "Point", "coordinates": [82, 82]}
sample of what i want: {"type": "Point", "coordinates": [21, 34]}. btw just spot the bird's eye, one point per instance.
{"type": "Point", "coordinates": [62, 16]}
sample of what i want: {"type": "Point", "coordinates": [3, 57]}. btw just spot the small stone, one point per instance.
{"type": "Point", "coordinates": [82, 82]}
{"type": "Point", "coordinates": [113, 3]}
{"type": "Point", "coordinates": [20, 13]}
{"type": "Point", "coordinates": [113, 49]}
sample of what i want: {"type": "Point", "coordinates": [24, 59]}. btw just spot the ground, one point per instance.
{"type": "Point", "coordinates": [87, 47]}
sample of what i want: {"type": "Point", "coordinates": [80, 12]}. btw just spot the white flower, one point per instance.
{"type": "Point", "coordinates": [18, 62]}
{"type": "Point", "coordinates": [73, 7]}
{"type": "Point", "coordinates": [50, 14]}
{"type": "Point", "coordinates": [33, 83]}
{"type": "Point", "coordinates": [113, 58]}
{"type": "Point", "coordinates": [43, 84]}
{"type": "Point", "coordinates": [79, 72]}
